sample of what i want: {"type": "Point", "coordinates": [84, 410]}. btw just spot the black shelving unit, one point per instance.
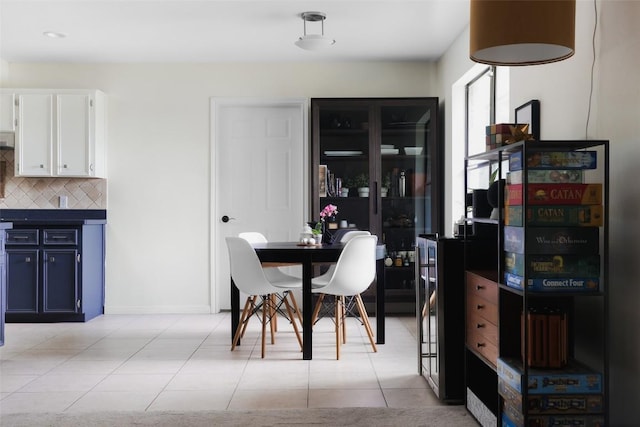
{"type": "Point", "coordinates": [530, 365]}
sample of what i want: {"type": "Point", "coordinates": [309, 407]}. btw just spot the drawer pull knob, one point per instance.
{"type": "Point", "coordinates": [479, 287]}
{"type": "Point", "coordinates": [480, 344]}
{"type": "Point", "coordinates": [480, 325]}
{"type": "Point", "coordinates": [480, 306]}
{"type": "Point", "coordinates": [27, 259]}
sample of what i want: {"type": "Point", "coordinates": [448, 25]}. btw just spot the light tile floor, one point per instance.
{"type": "Point", "coordinates": [184, 362]}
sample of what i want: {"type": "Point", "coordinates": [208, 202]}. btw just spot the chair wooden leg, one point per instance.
{"type": "Point", "coordinates": [242, 325]}
{"type": "Point", "coordinates": [316, 310]}
{"type": "Point", "coordinates": [264, 321]}
{"type": "Point", "coordinates": [272, 316]}
{"type": "Point", "coordinates": [293, 320]}
{"type": "Point", "coordinates": [365, 320]}
{"type": "Point", "coordinates": [338, 311]}
{"type": "Point", "coordinates": [251, 308]}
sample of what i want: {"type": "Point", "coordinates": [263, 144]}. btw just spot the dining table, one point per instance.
{"type": "Point", "coordinates": [309, 256]}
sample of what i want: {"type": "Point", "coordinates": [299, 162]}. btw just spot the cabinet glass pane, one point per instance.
{"type": "Point", "coordinates": [344, 163]}
{"type": "Point", "coordinates": [406, 150]}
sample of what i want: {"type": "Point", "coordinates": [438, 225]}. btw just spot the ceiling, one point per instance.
{"type": "Point", "coordinates": [217, 30]}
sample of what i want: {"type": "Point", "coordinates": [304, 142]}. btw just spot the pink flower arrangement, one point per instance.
{"type": "Point", "coordinates": [328, 211]}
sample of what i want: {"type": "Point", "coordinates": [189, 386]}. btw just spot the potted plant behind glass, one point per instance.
{"type": "Point", "coordinates": [361, 182]}
{"type": "Point", "coordinates": [347, 183]}
{"type": "Point", "coordinates": [386, 184]}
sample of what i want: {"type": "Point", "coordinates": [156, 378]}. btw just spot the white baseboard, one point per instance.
{"type": "Point", "coordinates": [164, 309]}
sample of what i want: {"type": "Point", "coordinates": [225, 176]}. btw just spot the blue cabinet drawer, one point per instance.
{"type": "Point", "coordinates": [22, 237]}
{"type": "Point", "coordinates": [53, 236]}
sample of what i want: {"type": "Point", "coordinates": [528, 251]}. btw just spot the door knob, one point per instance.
{"type": "Point", "coordinates": [225, 218]}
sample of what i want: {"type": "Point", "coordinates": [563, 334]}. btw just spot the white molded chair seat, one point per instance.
{"type": "Point", "coordinates": [353, 274]}
{"type": "Point", "coordinates": [249, 277]}
{"type": "Point", "coordinates": [274, 274]}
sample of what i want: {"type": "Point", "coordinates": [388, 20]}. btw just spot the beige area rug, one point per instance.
{"type": "Point", "coordinates": [449, 416]}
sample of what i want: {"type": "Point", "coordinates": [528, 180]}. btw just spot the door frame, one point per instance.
{"type": "Point", "coordinates": [216, 103]}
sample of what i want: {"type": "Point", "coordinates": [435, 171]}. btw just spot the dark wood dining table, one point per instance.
{"type": "Point", "coordinates": [291, 252]}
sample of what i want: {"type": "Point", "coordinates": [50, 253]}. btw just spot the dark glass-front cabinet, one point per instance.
{"type": "Point", "coordinates": [379, 160]}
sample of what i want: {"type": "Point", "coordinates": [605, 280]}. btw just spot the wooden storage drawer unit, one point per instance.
{"type": "Point", "coordinates": [483, 287]}
{"type": "Point", "coordinates": [481, 307]}
{"type": "Point", "coordinates": [482, 316]}
{"type": "Point", "coordinates": [480, 344]}
{"type": "Point", "coordinates": [480, 325]}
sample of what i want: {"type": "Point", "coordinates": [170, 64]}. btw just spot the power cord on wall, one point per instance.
{"type": "Point", "coordinates": [593, 64]}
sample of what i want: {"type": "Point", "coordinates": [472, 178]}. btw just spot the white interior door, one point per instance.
{"type": "Point", "coordinates": [259, 153]}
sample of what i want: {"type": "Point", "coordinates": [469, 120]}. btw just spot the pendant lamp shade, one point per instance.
{"type": "Point", "coordinates": [521, 32]}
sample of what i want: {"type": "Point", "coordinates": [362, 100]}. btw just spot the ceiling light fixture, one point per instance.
{"type": "Point", "coordinates": [523, 32]}
{"type": "Point", "coordinates": [314, 41]}
{"type": "Point", "coordinates": [54, 35]}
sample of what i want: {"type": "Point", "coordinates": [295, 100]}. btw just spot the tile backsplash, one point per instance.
{"type": "Point", "coordinates": [44, 193]}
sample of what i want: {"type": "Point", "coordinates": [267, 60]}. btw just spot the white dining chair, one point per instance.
{"type": "Point", "coordinates": [318, 313]}
{"type": "Point", "coordinates": [249, 277]}
{"type": "Point", "coordinates": [275, 274]}
{"type": "Point", "coordinates": [354, 272]}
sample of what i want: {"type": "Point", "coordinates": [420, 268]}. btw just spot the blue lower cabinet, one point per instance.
{"type": "Point", "coordinates": [60, 281]}
{"type": "Point", "coordinates": [22, 280]}
{"type": "Point", "coordinates": [3, 282]}
{"type": "Point", "coordinates": [55, 273]}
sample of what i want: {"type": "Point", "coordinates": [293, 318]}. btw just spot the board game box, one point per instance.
{"type": "Point", "coordinates": [573, 379]}
{"type": "Point", "coordinates": [511, 419]}
{"type": "Point", "coordinates": [550, 284]}
{"type": "Point", "coordinates": [550, 176]}
{"type": "Point", "coordinates": [552, 240]}
{"type": "Point", "coordinates": [552, 265]}
{"type": "Point", "coordinates": [555, 194]}
{"type": "Point", "coordinates": [577, 215]}
{"type": "Point", "coordinates": [555, 160]}
{"type": "Point", "coordinates": [546, 404]}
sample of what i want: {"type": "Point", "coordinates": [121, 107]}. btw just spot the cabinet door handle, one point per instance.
{"type": "Point", "coordinates": [479, 287]}
{"type": "Point", "coordinates": [480, 325]}
{"type": "Point", "coordinates": [375, 199]}
{"type": "Point", "coordinates": [480, 345]}
{"type": "Point", "coordinates": [480, 306]}
{"type": "Point", "coordinates": [27, 259]}
{"type": "Point", "coordinates": [64, 166]}
{"type": "Point", "coordinates": [41, 166]}
{"type": "Point", "coordinates": [52, 259]}
{"type": "Point", "coordinates": [20, 237]}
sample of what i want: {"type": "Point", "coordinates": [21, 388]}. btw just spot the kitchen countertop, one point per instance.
{"type": "Point", "coordinates": [54, 216]}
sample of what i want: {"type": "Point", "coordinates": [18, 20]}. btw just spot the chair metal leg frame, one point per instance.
{"type": "Point", "coordinates": [294, 304]}
{"type": "Point", "coordinates": [270, 306]}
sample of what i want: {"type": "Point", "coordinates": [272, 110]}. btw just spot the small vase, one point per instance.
{"type": "Point", "coordinates": [318, 238]}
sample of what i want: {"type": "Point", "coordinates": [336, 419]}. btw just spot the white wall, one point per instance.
{"type": "Point", "coordinates": [563, 90]}
{"type": "Point", "coordinates": [158, 154]}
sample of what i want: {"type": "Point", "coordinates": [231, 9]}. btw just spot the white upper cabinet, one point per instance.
{"type": "Point", "coordinates": [7, 117]}
{"type": "Point", "coordinates": [60, 133]}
